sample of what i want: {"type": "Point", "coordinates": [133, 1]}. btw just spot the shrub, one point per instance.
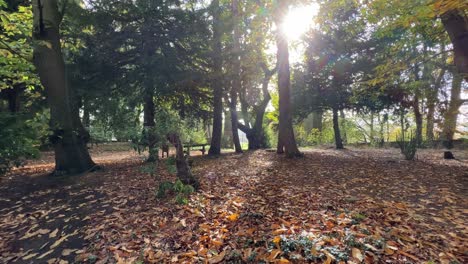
{"type": "Point", "coordinates": [181, 190]}
{"type": "Point", "coordinates": [408, 148]}
{"type": "Point", "coordinates": [18, 141]}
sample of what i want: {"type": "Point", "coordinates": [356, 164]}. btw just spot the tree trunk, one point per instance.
{"type": "Point", "coordinates": [234, 122]}
{"type": "Point", "coordinates": [342, 125]}
{"type": "Point", "coordinates": [402, 124]}
{"type": "Point", "coordinates": [286, 140]}
{"type": "Point", "coordinates": [86, 120]}
{"type": "Point", "coordinates": [371, 139]}
{"type": "Point", "coordinates": [227, 131]}
{"type": "Point", "coordinates": [236, 81]}
{"type": "Point", "coordinates": [336, 129]}
{"type": "Point", "coordinates": [419, 120]}
{"type": "Point", "coordinates": [456, 24]}
{"type": "Point", "coordinates": [215, 147]}
{"type": "Point", "coordinates": [71, 153]}
{"type": "Point", "coordinates": [183, 169]}
{"type": "Point", "coordinates": [317, 120]}
{"type": "Point", "coordinates": [256, 135]}
{"type": "Point", "coordinates": [451, 115]}
{"type": "Point", "coordinates": [149, 123]}
{"type": "Point", "coordinates": [432, 100]}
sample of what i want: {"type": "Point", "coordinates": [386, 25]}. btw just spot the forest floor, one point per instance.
{"type": "Point", "coordinates": [350, 206]}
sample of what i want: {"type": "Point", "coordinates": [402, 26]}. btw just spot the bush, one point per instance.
{"type": "Point", "coordinates": [18, 141]}
{"type": "Point", "coordinates": [181, 190]}
{"type": "Point", "coordinates": [408, 148]}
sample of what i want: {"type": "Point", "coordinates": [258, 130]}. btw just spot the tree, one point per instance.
{"type": "Point", "coordinates": [255, 134]}
{"type": "Point", "coordinates": [217, 84]}
{"type": "Point", "coordinates": [69, 137]}
{"type": "Point", "coordinates": [451, 114]}
{"type": "Point", "coordinates": [286, 140]}
{"type": "Point", "coordinates": [236, 80]}
{"type": "Point", "coordinates": [455, 22]}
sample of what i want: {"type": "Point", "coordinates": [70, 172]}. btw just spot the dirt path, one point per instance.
{"type": "Point", "coordinates": [347, 205]}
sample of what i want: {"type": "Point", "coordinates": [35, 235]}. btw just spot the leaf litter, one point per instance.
{"type": "Point", "coordinates": [353, 206]}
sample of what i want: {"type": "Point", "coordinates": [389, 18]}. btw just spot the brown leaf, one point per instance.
{"type": "Point", "coordinates": [218, 258]}
{"type": "Point", "coordinates": [357, 254]}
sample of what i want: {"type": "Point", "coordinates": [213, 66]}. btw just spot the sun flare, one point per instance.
{"type": "Point", "coordinates": [299, 20]}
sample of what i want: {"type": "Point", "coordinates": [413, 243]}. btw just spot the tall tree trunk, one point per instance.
{"type": "Point", "coordinates": [71, 153]}
{"type": "Point", "coordinates": [342, 125]}
{"type": "Point", "coordinates": [336, 129]}
{"type": "Point", "coordinates": [403, 125]}
{"type": "Point", "coordinates": [227, 130]}
{"type": "Point", "coordinates": [431, 105]}
{"type": "Point", "coordinates": [234, 121]}
{"type": "Point", "coordinates": [236, 81]}
{"type": "Point", "coordinates": [372, 136]}
{"type": "Point", "coordinates": [456, 24]}
{"type": "Point", "coordinates": [418, 118]}
{"type": "Point", "coordinates": [86, 119]}
{"type": "Point", "coordinates": [149, 123]}
{"type": "Point", "coordinates": [430, 120]}
{"type": "Point", "coordinates": [215, 147]}
{"type": "Point", "coordinates": [451, 114]}
{"type": "Point", "coordinates": [286, 140]}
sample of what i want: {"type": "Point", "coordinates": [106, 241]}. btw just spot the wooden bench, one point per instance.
{"type": "Point", "coordinates": [200, 147]}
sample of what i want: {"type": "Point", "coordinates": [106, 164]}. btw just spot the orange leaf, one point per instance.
{"type": "Point", "coordinates": [233, 217]}
{"type": "Point", "coordinates": [217, 242]}
{"type": "Point", "coordinates": [280, 231]}
{"type": "Point", "coordinates": [276, 240]}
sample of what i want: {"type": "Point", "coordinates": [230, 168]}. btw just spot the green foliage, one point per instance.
{"type": "Point", "coordinates": [408, 148]}
{"type": "Point", "coordinates": [171, 165]}
{"type": "Point", "coordinates": [18, 141]}
{"type": "Point", "coordinates": [151, 168]}
{"type": "Point", "coordinates": [16, 65]}
{"type": "Point", "coordinates": [182, 191]}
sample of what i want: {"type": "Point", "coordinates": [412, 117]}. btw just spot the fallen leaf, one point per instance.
{"type": "Point", "coordinates": [357, 254]}
{"type": "Point", "coordinates": [233, 217]}
{"type": "Point", "coordinates": [53, 233]}
{"type": "Point", "coordinates": [218, 258]}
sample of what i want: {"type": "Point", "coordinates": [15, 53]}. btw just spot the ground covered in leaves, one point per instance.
{"type": "Point", "coordinates": [350, 206]}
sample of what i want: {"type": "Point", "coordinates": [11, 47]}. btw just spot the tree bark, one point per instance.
{"type": "Point", "coordinates": [149, 123]}
{"type": "Point", "coordinates": [456, 24]}
{"type": "Point", "coordinates": [342, 125]}
{"type": "Point", "coordinates": [227, 131]}
{"type": "Point", "coordinates": [215, 146]}
{"type": "Point", "coordinates": [256, 135]}
{"type": "Point", "coordinates": [86, 120]}
{"type": "Point", "coordinates": [286, 140]}
{"type": "Point", "coordinates": [418, 118]}
{"type": "Point", "coordinates": [234, 121]}
{"type": "Point", "coordinates": [183, 169]}
{"type": "Point", "coordinates": [451, 115]}
{"type": "Point", "coordinates": [431, 105]}
{"type": "Point", "coordinates": [71, 153]}
{"type": "Point", "coordinates": [336, 129]}
{"type": "Point", "coordinates": [372, 130]}
{"type": "Point", "coordinates": [236, 81]}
